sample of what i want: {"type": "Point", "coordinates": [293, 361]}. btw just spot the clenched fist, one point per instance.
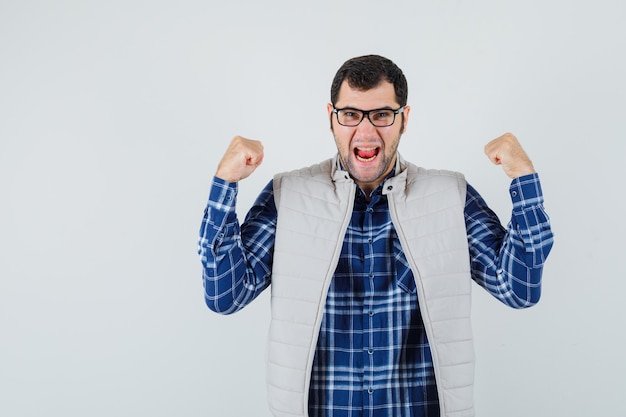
{"type": "Point", "coordinates": [242, 157]}
{"type": "Point", "coordinates": [507, 152]}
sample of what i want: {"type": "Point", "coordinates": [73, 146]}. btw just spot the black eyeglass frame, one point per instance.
{"type": "Point", "coordinates": [367, 113]}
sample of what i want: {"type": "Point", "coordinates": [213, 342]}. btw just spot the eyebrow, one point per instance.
{"type": "Point", "coordinates": [356, 108]}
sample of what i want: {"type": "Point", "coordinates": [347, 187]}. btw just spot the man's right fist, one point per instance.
{"type": "Point", "coordinates": [242, 157]}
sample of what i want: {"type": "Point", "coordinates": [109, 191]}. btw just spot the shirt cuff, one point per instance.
{"type": "Point", "coordinates": [222, 202]}
{"type": "Point", "coordinates": [525, 191]}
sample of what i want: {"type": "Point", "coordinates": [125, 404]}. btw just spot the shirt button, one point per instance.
{"type": "Point", "coordinates": [370, 390]}
{"type": "Point", "coordinates": [369, 241]}
{"type": "Point", "coordinates": [370, 313]}
{"type": "Point", "coordinates": [370, 351]}
{"type": "Point", "coordinates": [514, 193]}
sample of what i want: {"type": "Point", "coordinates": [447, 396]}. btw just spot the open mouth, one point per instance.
{"type": "Point", "coordinates": [366, 154]}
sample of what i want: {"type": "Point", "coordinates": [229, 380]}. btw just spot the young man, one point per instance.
{"type": "Point", "coordinates": [370, 259]}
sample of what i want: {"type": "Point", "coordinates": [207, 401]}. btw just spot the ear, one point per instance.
{"type": "Point", "coordinates": [405, 119]}
{"type": "Point", "coordinates": [329, 109]}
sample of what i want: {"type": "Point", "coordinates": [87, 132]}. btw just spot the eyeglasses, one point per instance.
{"type": "Point", "coordinates": [378, 117]}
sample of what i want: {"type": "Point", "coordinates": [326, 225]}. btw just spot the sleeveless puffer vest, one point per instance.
{"type": "Point", "coordinates": [314, 206]}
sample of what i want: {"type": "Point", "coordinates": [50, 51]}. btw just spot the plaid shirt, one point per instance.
{"type": "Point", "coordinates": [373, 358]}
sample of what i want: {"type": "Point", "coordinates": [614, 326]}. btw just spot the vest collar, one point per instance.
{"type": "Point", "coordinates": [397, 183]}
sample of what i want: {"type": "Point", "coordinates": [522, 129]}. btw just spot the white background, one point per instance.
{"type": "Point", "coordinates": [114, 115]}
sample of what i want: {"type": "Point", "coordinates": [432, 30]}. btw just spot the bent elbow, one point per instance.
{"type": "Point", "coordinates": [534, 300]}
{"type": "Point", "coordinates": [218, 307]}
{"type": "Point", "coordinates": [523, 303]}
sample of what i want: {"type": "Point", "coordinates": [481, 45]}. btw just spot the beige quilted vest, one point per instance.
{"type": "Point", "coordinates": [314, 206]}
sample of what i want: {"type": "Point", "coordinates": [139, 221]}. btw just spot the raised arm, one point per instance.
{"type": "Point", "coordinates": [508, 263]}
{"type": "Point", "coordinates": [236, 259]}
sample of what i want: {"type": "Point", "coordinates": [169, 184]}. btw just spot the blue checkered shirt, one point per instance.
{"type": "Point", "coordinates": [373, 358]}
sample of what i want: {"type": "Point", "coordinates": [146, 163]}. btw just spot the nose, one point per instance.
{"type": "Point", "coordinates": [366, 124]}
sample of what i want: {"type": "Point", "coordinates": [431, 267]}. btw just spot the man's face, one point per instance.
{"type": "Point", "coordinates": [368, 152]}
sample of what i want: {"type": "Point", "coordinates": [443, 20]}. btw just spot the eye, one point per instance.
{"type": "Point", "coordinates": [382, 114]}
{"type": "Point", "coordinates": [350, 114]}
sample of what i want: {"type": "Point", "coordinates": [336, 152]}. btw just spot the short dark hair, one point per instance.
{"type": "Point", "coordinates": [366, 72]}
